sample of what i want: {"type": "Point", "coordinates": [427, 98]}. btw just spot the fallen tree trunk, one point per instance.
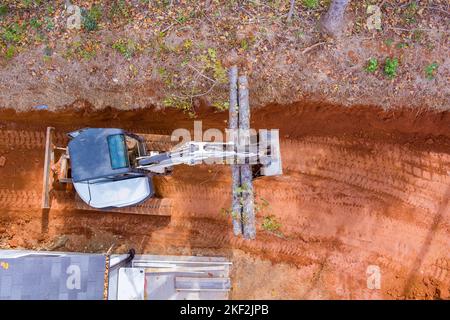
{"type": "Point", "coordinates": [248, 213]}
{"type": "Point", "coordinates": [236, 208]}
{"type": "Point", "coordinates": [332, 22]}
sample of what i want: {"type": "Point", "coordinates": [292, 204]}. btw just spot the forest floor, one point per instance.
{"type": "Point", "coordinates": [137, 55]}
{"type": "Point", "coordinates": [366, 155]}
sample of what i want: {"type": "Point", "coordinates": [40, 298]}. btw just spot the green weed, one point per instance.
{"type": "Point", "coordinates": [35, 23]}
{"type": "Point", "coordinates": [14, 33]}
{"type": "Point", "coordinates": [10, 52]}
{"type": "Point", "coordinates": [221, 105]}
{"type": "Point", "coordinates": [178, 103]}
{"type": "Point", "coordinates": [91, 18]}
{"type": "Point", "coordinates": [49, 24]}
{"type": "Point", "coordinates": [26, 3]}
{"type": "Point", "coordinates": [388, 42]}
{"type": "Point", "coordinates": [390, 67]}
{"type": "Point", "coordinates": [311, 4]}
{"type": "Point", "coordinates": [244, 44]}
{"type": "Point", "coordinates": [372, 65]}
{"type": "Point", "coordinates": [271, 224]}
{"type": "Point", "coordinates": [119, 10]}
{"type": "Point", "coordinates": [126, 47]}
{"type": "Point", "coordinates": [210, 63]}
{"type": "Point", "coordinates": [410, 13]}
{"type": "Point", "coordinates": [431, 69]}
{"type": "Point", "coordinates": [4, 9]}
{"type": "Point", "coordinates": [82, 50]}
{"type": "Point", "coordinates": [50, 9]}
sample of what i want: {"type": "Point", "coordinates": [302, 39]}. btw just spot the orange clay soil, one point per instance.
{"type": "Point", "coordinates": [360, 187]}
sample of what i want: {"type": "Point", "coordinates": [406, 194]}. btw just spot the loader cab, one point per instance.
{"type": "Point", "coordinates": [103, 167]}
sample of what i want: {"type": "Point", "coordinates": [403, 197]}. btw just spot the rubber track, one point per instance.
{"type": "Point", "coordinates": [28, 139]}
{"type": "Point", "coordinates": [69, 201]}
{"type": "Point", "coordinates": [22, 199]}
{"type": "Point", "coordinates": [36, 139]}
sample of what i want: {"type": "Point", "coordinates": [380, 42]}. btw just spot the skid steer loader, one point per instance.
{"type": "Point", "coordinates": [111, 168]}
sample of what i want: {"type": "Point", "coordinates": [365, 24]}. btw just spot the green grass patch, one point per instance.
{"type": "Point", "coordinates": [388, 42]}
{"type": "Point", "coordinates": [410, 13]}
{"type": "Point", "coordinates": [431, 70]}
{"type": "Point", "coordinates": [14, 33]}
{"type": "Point", "coordinates": [4, 9]}
{"type": "Point", "coordinates": [311, 4]}
{"type": "Point", "coordinates": [26, 3]}
{"type": "Point", "coordinates": [126, 47]}
{"type": "Point", "coordinates": [178, 103]}
{"type": "Point", "coordinates": [49, 24]}
{"type": "Point", "coordinates": [91, 18]}
{"type": "Point", "coordinates": [271, 224]}
{"type": "Point", "coordinates": [35, 23]}
{"type": "Point", "coordinates": [402, 45]}
{"type": "Point", "coordinates": [372, 65]}
{"type": "Point", "coordinates": [221, 105]}
{"type": "Point", "coordinates": [119, 10]}
{"type": "Point", "coordinates": [79, 50]}
{"type": "Point", "coordinates": [210, 63]}
{"type": "Point", "coordinates": [390, 67]}
{"type": "Point", "coordinates": [10, 52]}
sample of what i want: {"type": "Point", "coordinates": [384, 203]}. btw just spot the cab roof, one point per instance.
{"type": "Point", "coordinates": [97, 153]}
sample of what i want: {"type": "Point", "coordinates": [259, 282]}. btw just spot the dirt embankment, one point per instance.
{"type": "Point", "coordinates": [361, 187]}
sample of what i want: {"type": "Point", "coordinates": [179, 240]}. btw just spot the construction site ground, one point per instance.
{"type": "Point", "coordinates": [360, 187]}
{"type": "Point", "coordinates": [366, 181]}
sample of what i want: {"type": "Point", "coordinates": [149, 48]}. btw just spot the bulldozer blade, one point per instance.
{"type": "Point", "coordinates": [48, 161]}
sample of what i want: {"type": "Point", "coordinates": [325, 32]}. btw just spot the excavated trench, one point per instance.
{"type": "Point", "coordinates": [362, 187]}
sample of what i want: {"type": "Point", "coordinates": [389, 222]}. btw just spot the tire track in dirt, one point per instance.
{"type": "Point", "coordinates": [197, 200]}
{"type": "Point", "coordinates": [391, 189]}
{"type": "Point", "coordinates": [344, 201]}
{"type": "Point", "coordinates": [35, 139]}
{"type": "Point", "coordinates": [61, 200]}
{"type": "Point", "coordinates": [416, 179]}
{"type": "Point", "coordinates": [28, 139]}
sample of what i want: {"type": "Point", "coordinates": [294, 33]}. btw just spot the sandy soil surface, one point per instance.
{"type": "Point", "coordinates": [361, 187]}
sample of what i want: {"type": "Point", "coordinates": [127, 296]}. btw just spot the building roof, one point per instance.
{"type": "Point", "coordinates": [97, 153]}
{"type": "Point", "coordinates": [28, 275]}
